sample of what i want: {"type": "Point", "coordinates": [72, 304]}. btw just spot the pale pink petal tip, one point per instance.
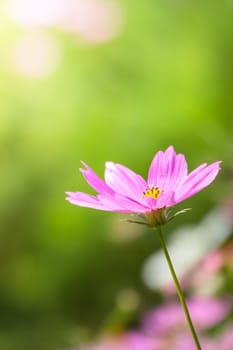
{"type": "Point", "coordinates": [197, 180]}
{"type": "Point", "coordinates": [85, 200]}
{"type": "Point", "coordinates": [95, 181]}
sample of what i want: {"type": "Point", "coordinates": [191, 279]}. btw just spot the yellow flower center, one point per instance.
{"type": "Point", "coordinates": [153, 192]}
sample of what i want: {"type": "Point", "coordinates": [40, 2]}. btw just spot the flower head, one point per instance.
{"type": "Point", "coordinates": [125, 191]}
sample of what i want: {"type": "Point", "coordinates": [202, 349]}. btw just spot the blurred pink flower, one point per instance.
{"type": "Point", "coordinates": [206, 312]}
{"type": "Point", "coordinates": [164, 328]}
{"type": "Point", "coordinates": [36, 55]}
{"type": "Point", "coordinates": [94, 21]}
{"type": "Point", "coordinates": [34, 13]}
{"type": "Point", "coordinates": [206, 269]}
{"type": "Point", "coordinates": [178, 339]}
{"type": "Point", "coordinates": [185, 342]}
{"type": "Point", "coordinates": [125, 191]}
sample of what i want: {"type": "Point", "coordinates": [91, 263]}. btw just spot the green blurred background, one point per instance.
{"type": "Point", "coordinates": [97, 81]}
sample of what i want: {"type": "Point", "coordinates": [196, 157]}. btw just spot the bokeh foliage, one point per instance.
{"type": "Point", "coordinates": [167, 79]}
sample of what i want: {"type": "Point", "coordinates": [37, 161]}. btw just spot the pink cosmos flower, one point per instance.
{"type": "Point", "coordinates": [206, 312]}
{"type": "Point", "coordinates": [125, 191]}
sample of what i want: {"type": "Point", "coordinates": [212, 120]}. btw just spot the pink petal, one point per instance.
{"type": "Point", "coordinates": [197, 180]}
{"type": "Point", "coordinates": [85, 200]}
{"type": "Point", "coordinates": [94, 181]}
{"type": "Point", "coordinates": [192, 175]}
{"type": "Point", "coordinates": [177, 174]}
{"type": "Point", "coordinates": [167, 199]}
{"type": "Point", "coordinates": [125, 182]}
{"type": "Point", "coordinates": [122, 204]}
{"type": "Point", "coordinates": [155, 170]}
{"type": "Point", "coordinates": [167, 170]}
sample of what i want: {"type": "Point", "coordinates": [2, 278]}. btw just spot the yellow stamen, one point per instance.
{"type": "Point", "coordinates": [153, 192]}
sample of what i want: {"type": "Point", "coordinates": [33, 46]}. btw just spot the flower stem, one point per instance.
{"type": "Point", "coordinates": [179, 290]}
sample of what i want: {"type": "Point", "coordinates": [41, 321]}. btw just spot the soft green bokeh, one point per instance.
{"type": "Point", "coordinates": [166, 79]}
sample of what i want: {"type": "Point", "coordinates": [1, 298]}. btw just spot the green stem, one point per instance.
{"type": "Point", "coordinates": [179, 290]}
